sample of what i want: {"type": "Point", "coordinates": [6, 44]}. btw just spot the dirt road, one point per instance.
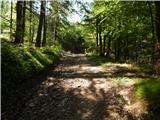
{"type": "Point", "coordinates": [78, 89]}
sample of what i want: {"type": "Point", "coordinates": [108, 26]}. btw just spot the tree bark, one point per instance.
{"type": "Point", "coordinates": [30, 20]}
{"type": "Point", "coordinates": [54, 29]}
{"type": "Point", "coordinates": [104, 43]}
{"type": "Point", "coordinates": [11, 20]}
{"type": "Point", "coordinates": [19, 30]}
{"type": "Point", "coordinates": [39, 32]}
{"type": "Point", "coordinates": [157, 5]}
{"type": "Point", "coordinates": [33, 32]}
{"type": "Point", "coordinates": [118, 55]}
{"type": "Point", "coordinates": [157, 43]}
{"type": "Point", "coordinates": [100, 41]}
{"type": "Point", "coordinates": [97, 38]}
{"type": "Point", "coordinates": [153, 34]}
{"type": "Point", "coordinates": [115, 50]}
{"type": "Point", "coordinates": [108, 45]}
{"type": "Point", "coordinates": [44, 26]}
{"type": "Point", "coordinates": [23, 21]}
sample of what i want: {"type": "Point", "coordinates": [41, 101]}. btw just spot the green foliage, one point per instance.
{"type": "Point", "coordinates": [149, 89]}
{"type": "Point", "coordinates": [42, 58]}
{"type": "Point", "coordinates": [99, 60]}
{"type": "Point", "coordinates": [21, 62]}
{"type": "Point", "coordinates": [72, 40]}
{"type": "Point", "coordinates": [128, 24]}
{"type": "Point", "coordinates": [5, 16]}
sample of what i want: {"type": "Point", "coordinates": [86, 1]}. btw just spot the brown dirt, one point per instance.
{"type": "Point", "coordinates": [78, 89]}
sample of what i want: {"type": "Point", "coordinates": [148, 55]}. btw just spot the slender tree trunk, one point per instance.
{"type": "Point", "coordinates": [153, 36]}
{"type": "Point", "coordinates": [127, 51]}
{"type": "Point", "coordinates": [108, 45]}
{"type": "Point", "coordinates": [39, 32]}
{"type": "Point", "coordinates": [104, 43]}
{"type": "Point", "coordinates": [97, 40]}
{"type": "Point", "coordinates": [11, 20]}
{"type": "Point", "coordinates": [100, 41]}
{"type": "Point", "coordinates": [2, 9]}
{"type": "Point", "coordinates": [115, 50]}
{"type": "Point", "coordinates": [33, 32]}
{"type": "Point", "coordinates": [30, 20]}
{"type": "Point", "coordinates": [136, 51]}
{"type": "Point", "coordinates": [157, 45]}
{"type": "Point", "coordinates": [23, 21]}
{"type": "Point", "coordinates": [157, 5]}
{"type": "Point", "coordinates": [44, 27]}
{"type": "Point", "coordinates": [19, 30]}
{"type": "Point", "coordinates": [54, 30]}
{"type": "Point", "coordinates": [118, 48]}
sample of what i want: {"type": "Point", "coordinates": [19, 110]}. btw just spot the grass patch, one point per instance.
{"type": "Point", "coordinates": [124, 81]}
{"type": "Point", "coordinates": [20, 62]}
{"type": "Point", "coordinates": [99, 60]}
{"type": "Point", "coordinates": [143, 67]}
{"type": "Point", "coordinates": [149, 89]}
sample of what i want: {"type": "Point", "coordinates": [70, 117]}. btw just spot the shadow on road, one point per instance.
{"type": "Point", "coordinates": [78, 90]}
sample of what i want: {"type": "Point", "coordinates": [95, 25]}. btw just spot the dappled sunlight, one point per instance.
{"type": "Point", "coordinates": [75, 83]}
{"type": "Point", "coordinates": [93, 69]}
{"type": "Point", "coordinates": [86, 114]}
{"type": "Point", "coordinates": [118, 64]}
{"type": "Point", "coordinates": [89, 89]}
{"type": "Point", "coordinates": [124, 81]}
{"type": "Point", "coordinates": [112, 114]}
{"type": "Point", "coordinates": [102, 84]}
{"type": "Point", "coordinates": [80, 60]}
{"type": "Point", "coordinates": [136, 108]}
{"type": "Point", "coordinates": [93, 84]}
{"type": "Point", "coordinates": [74, 67]}
{"type": "Point", "coordinates": [80, 90]}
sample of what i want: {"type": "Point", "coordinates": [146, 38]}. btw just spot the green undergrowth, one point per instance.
{"type": "Point", "coordinates": [20, 64]}
{"type": "Point", "coordinates": [149, 89]}
{"type": "Point", "coordinates": [143, 67]}
{"type": "Point", "coordinates": [99, 60]}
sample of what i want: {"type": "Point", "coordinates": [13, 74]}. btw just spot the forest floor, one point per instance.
{"type": "Point", "coordinates": [79, 89]}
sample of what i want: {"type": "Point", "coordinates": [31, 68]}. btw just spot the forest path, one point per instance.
{"type": "Point", "coordinates": [78, 89]}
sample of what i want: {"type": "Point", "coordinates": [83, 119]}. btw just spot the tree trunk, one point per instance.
{"type": "Point", "coordinates": [54, 30]}
{"type": "Point", "coordinates": [157, 45]}
{"type": "Point", "coordinates": [118, 49]}
{"type": "Point", "coordinates": [33, 32]}
{"type": "Point", "coordinates": [44, 27]}
{"type": "Point", "coordinates": [157, 5]}
{"type": "Point", "coordinates": [115, 50]}
{"type": "Point", "coordinates": [30, 20]}
{"type": "Point", "coordinates": [104, 43]}
{"type": "Point", "coordinates": [108, 46]}
{"type": "Point", "coordinates": [19, 30]}
{"type": "Point", "coordinates": [153, 36]}
{"type": "Point", "coordinates": [2, 9]}
{"type": "Point", "coordinates": [39, 32]}
{"type": "Point", "coordinates": [100, 41]}
{"type": "Point", "coordinates": [23, 21]}
{"type": "Point", "coordinates": [11, 20]}
{"type": "Point", "coordinates": [97, 40]}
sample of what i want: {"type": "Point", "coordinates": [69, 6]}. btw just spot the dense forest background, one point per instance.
{"type": "Point", "coordinates": [129, 30]}
{"type": "Point", "coordinates": [35, 34]}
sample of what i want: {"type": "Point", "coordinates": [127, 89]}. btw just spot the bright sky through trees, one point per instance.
{"type": "Point", "coordinates": [77, 16]}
